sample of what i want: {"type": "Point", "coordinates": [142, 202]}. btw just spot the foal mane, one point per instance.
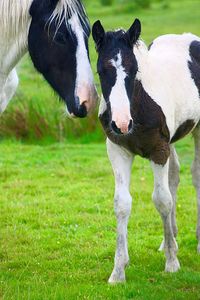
{"type": "Point", "coordinates": [15, 17]}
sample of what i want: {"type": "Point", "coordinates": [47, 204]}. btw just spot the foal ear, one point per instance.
{"type": "Point", "coordinates": [134, 32]}
{"type": "Point", "coordinates": [98, 33]}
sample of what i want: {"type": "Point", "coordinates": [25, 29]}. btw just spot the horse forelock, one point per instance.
{"type": "Point", "coordinates": [65, 9]}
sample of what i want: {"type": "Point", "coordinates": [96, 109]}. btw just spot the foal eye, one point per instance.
{"type": "Point", "coordinates": [60, 38]}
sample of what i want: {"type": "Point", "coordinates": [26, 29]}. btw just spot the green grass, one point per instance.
{"type": "Point", "coordinates": [35, 114]}
{"type": "Point", "coordinates": [58, 227]}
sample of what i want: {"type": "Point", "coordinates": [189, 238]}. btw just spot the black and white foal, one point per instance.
{"type": "Point", "coordinates": [56, 34]}
{"type": "Point", "coordinates": [151, 99]}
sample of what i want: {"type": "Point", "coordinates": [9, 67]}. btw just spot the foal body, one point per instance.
{"type": "Point", "coordinates": [162, 86]}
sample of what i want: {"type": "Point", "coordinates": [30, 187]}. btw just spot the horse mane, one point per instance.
{"type": "Point", "coordinates": [15, 17]}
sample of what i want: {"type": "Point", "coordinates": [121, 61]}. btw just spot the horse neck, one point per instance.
{"type": "Point", "coordinates": [15, 41]}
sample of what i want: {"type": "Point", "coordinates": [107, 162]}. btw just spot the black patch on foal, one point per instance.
{"type": "Point", "coordinates": [150, 135]}
{"type": "Point", "coordinates": [194, 64]}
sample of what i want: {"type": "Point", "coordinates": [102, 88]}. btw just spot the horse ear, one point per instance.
{"type": "Point", "coordinates": [134, 32]}
{"type": "Point", "coordinates": [98, 33]}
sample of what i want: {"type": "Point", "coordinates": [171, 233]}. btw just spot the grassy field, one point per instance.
{"type": "Point", "coordinates": [57, 225]}
{"type": "Point", "coordinates": [57, 232]}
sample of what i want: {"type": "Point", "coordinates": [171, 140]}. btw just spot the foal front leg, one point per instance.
{"type": "Point", "coordinates": [196, 178]}
{"type": "Point", "coordinates": [164, 204]}
{"type": "Point", "coordinates": [121, 161]}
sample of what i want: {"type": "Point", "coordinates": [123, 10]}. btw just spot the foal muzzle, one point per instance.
{"type": "Point", "coordinates": [122, 129]}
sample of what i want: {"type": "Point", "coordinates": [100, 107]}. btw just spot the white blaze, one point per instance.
{"type": "Point", "coordinates": [85, 88]}
{"type": "Point", "coordinates": [119, 101]}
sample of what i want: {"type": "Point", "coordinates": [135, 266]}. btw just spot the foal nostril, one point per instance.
{"type": "Point", "coordinates": [130, 126]}
{"type": "Point", "coordinates": [121, 130]}
{"type": "Point", "coordinates": [115, 128]}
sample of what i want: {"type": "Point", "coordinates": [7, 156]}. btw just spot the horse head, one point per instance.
{"type": "Point", "coordinates": [58, 46]}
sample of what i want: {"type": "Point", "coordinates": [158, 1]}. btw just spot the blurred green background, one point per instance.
{"type": "Point", "coordinates": [57, 233]}
{"type": "Point", "coordinates": [35, 113]}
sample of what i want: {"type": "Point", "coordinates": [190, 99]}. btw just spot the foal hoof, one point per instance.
{"type": "Point", "coordinates": [117, 277]}
{"type": "Point", "coordinates": [172, 266]}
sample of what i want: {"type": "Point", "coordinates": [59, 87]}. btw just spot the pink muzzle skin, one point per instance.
{"type": "Point", "coordinates": [88, 96]}
{"type": "Point", "coordinates": [122, 121]}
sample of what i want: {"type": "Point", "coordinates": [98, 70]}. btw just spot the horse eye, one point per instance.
{"type": "Point", "coordinates": [60, 38]}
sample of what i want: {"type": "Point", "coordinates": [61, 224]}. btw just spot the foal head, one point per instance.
{"type": "Point", "coordinates": [58, 45]}
{"type": "Point", "coordinates": [117, 68]}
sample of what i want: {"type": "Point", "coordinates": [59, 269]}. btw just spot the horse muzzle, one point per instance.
{"type": "Point", "coordinates": [88, 97]}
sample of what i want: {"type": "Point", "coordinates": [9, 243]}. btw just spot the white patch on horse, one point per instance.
{"type": "Point", "coordinates": [102, 106]}
{"type": "Point", "coordinates": [7, 89]}
{"type": "Point", "coordinates": [13, 26]}
{"type": "Point", "coordinates": [119, 101]}
{"type": "Point", "coordinates": [83, 85]}
{"type": "Point", "coordinates": [169, 86]}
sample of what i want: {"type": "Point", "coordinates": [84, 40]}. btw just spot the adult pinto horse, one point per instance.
{"type": "Point", "coordinates": [56, 34]}
{"type": "Point", "coordinates": [151, 99]}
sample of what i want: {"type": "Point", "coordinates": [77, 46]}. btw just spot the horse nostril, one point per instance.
{"type": "Point", "coordinates": [79, 109]}
{"type": "Point", "coordinates": [86, 103]}
{"type": "Point", "coordinates": [115, 128]}
{"type": "Point", "coordinates": [130, 126]}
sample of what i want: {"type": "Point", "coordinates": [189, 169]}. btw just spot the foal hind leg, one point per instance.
{"type": "Point", "coordinates": [164, 203]}
{"type": "Point", "coordinates": [196, 178]}
{"type": "Point", "coordinates": [121, 161]}
{"type": "Point", "coordinates": [174, 180]}
{"type": "Point", "coordinates": [8, 90]}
